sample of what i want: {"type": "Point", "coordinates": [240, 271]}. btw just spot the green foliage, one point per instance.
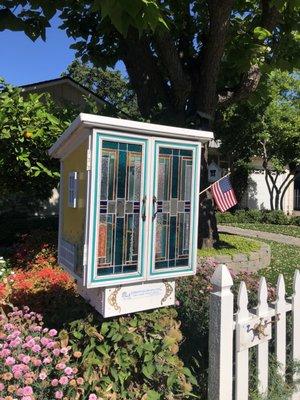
{"type": "Point", "coordinates": [270, 118]}
{"type": "Point", "coordinates": [28, 128]}
{"type": "Point", "coordinates": [230, 244]}
{"type": "Point", "coordinates": [262, 216]}
{"type": "Point", "coordinates": [133, 357]}
{"type": "Point", "coordinates": [109, 85]}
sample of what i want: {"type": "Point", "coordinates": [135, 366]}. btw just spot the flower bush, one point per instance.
{"type": "Point", "coordinates": [131, 357]}
{"type": "Point", "coordinates": [35, 363]}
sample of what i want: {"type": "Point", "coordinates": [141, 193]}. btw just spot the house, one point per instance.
{"type": "Point", "coordinates": [257, 195]}
{"type": "Point", "coordinates": [66, 91]}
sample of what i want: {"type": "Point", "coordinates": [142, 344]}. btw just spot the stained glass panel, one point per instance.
{"type": "Point", "coordinates": [119, 208]}
{"type": "Point", "coordinates": [173, 208]}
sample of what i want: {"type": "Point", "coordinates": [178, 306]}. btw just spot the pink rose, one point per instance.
{"type": "Point", "coordinates": [56, 352]}
{"type": "Point", "coordinates": [36, 362]}
{"type": "Point", "coordinates": [68, 371]}
{"type": "Point", "coordinates": [26, 359]}
{"type": "Point", "coordinates": [47, 360]}
{"type": "Point", "coordinates": [58, 394]}
{"type": "Point", "coordinates": [36, 348]}
{"type": "Point", "coordinates": [27, 391]}
{"type": "Point", "coordinates": [61, 366]}
{"type": "Point", "coordinates": [1, 386]}
{"type": "Point", "coordinates": [45, 341]}
{"type": "Point", "coordinates": [92, 396]}
{"type": "Point", "coordinates": [54, 382]}
{"type": "Point", "coordinates": [52, 332]}
{"type": "Point", "coordinates": [10, 361]}
{"type": "Point", "coordinates": [63, 380]}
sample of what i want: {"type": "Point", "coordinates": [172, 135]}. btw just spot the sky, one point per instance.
{"type": "Point", "coordinates": [23, 61]}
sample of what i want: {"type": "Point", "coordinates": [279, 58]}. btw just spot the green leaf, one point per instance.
{"type": "Point", "coordinates": [153, 395]}
{"type": "Point", "coordinates": [261, 33]}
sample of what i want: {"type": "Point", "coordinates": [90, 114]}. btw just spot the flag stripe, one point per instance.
{"type": "Point", "coordinates": [223, 194]}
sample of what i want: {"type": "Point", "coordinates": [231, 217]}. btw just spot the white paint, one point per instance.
{"type": "Point", "coordinates": [221, 336]}
{"type": "Point", "coordinates": [126, 126]}
{"type": "Point", "coordinates": [126, 299]}
{"type": "Point", "coordinates": [251, 330]}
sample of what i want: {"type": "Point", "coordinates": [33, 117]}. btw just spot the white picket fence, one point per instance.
{"type": "Point", "coordinates": [231, 335]}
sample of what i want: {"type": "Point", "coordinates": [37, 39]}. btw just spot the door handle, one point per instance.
{"type": "Point", "coordinates": [154, 206]}
{"type": "Point", "coordinates": [144, 208]}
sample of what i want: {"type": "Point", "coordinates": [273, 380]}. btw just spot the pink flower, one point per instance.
{"type": "Point", "coordinates": [56, 352]}
{"type": "Point", "coordinates": [63, 380]}
{"type": "Point", "coordinates": [52, 332]}
{"type": "Point", "coordinates": [1, 386]}
{"type": "Point", "coordinates": [80, 381]}
{"type": "Point", "coordinates": [92, 396]}
{"type": "Point", "coordinates": [36, 362]}
{"type": "Point", "coordinates": [10, 361]}
{"type": "Point", "coordinates": [58, 394]}
{"type": "Point", "coordinates": [26, 398]}
{"type": "Point", "coordinates": [43, 375]}
{"type": "Point", "coordinates": [64, 350]}
{"type": "Point", "coordinates": [61, 366]}
{"type": "Point", "coordinates": [5, 353]}
{"type": "Point", "coordinates": [45, 341]}
{"type": "Point", "coordinates": [27, 391]}
{"type": "Point", "coordinates": [36, 348]}
{"type": "Point", "coordinates": [47, 360]}
{"type": "Point", "coordinates": [26, 359]}
{"type": "Point", "coordinates": [54, 382]}
{"type": "Point", "coordinates": [68, 371]}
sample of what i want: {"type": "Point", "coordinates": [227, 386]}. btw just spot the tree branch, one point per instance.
{"type": "Point", "coordinates": [250, 80]}
{"type": "Point", "coordinates": [211, 55]}
{"type": "Point", "coordinates": [144, 73]}
{"type": "Point", "coordinates": [171, 59]}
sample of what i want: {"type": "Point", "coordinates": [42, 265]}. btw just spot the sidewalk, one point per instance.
{"type": "Point", "coordinates": [276, 237]}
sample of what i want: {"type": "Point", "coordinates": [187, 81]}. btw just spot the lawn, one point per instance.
{"type": "Point", "coordinates": [230, 244]}
{"type": "Point", "coordinates": [291, 230]}
{"type": "Point", "coordinates": [285, 260]}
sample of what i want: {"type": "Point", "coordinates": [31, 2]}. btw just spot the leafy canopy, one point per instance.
{"type": "Point", "coordinates": [270, 119]}
{"type": "Point", "coordinates": [183, 58]}
{"type": "Point", "coordinates": [109, 85]}
{"type": "Point", "coordinates": [28, 128]}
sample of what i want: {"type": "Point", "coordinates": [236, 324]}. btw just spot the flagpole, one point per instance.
{"type": "Point", "coordinates": [204, 190]}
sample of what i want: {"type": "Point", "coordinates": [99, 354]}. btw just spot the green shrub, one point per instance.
{"type": "Point", "coordinates": [131, 357]}
{"type": "Point", "coordinates": [262, 216]}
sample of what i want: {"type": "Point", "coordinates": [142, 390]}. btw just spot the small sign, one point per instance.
{"type": "Point", "coordinates": [253, 332]}
{"type": "Point", "coordinates": [127, 299]}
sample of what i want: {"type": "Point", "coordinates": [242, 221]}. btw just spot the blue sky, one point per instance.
{"type": "Point", "coordinates": [23, 61]}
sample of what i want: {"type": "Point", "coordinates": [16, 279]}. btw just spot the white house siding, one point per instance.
{"type": "Point", "coordinates": [257, 195]}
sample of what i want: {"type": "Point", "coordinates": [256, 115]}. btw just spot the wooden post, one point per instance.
{"type": "Point", "coordinates": [263, 348]}
{"type": "Point", "coordinates": [221, 336]}
{"type": "Point", "coordinates": [242, 357]}
{"type": "Point", "coordinates": [296, 330]}
{"type": "Point", "coordinates": [280, 330]}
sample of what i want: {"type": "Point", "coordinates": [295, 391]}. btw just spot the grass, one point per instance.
{"type": "Point", "coordinates": [230, 244]}
{"type": "Point", "coordinates": [291, 230]}
{"type": "Point", "coordinates": [285, 259]}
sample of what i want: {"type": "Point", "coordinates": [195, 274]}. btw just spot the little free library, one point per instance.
{"type": "Point", "coordinates": [129, 196]}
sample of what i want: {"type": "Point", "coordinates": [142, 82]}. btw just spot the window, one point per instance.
{"type": "Point", "coordinates": [72, 190]}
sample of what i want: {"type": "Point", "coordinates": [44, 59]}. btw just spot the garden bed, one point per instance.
{"type": "Point", "coordinates": [238, 253]}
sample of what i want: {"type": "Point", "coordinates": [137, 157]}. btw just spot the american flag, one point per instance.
{"type": "Point", "coordinates": [223, 194]}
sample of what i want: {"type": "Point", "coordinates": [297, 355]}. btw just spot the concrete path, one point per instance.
{"type": "Point", "coordinates": [276, 237]}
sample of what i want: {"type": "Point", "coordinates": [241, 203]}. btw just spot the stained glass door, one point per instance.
{"type": "Point", "coordinates": [174, 206]}
{"type": "Point", "coordinates": [121, 209]}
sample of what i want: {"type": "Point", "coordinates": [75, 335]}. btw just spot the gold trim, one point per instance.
{"type": "Point", "coordinates": [169, 291]}
{"type": "Point", "coordinates": [112, 299]}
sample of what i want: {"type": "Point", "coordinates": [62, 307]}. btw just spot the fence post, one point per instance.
{"type": "Point", "coordinates": [220, 336]}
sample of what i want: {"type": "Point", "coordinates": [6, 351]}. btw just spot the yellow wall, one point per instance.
{"type": "Point", "coordinates": [73, 219]}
